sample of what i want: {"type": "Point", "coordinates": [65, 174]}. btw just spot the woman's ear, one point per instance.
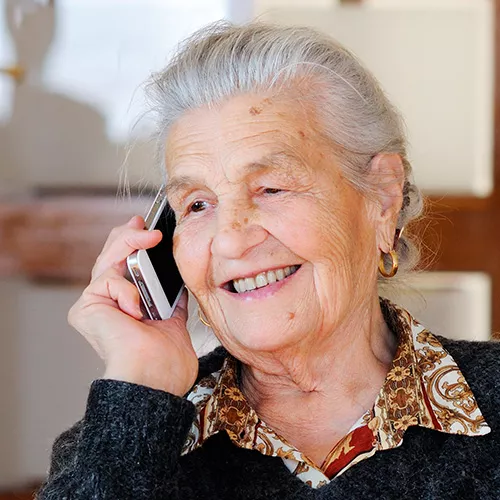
{"type": "Point", "coordinates": [387, 179]}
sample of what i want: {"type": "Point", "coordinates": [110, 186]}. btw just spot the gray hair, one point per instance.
{"type": "Point", "coordinates": [223, 60]}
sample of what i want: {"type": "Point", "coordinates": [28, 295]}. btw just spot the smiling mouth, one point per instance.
{"type": "Point", "coordinates": [260, 280]}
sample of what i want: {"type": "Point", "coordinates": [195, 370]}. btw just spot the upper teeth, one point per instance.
{"type": "Point", "coordinates": [262, 279]}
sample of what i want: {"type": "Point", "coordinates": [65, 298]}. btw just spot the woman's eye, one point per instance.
{"type": "Point", "coordinates": [197, 206]}
{"type": "Point", "coordinates": [271, 190]}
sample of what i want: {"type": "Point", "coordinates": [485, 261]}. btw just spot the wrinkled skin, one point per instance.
{"type": "Point", "coordinates": [316, 220]}
{"type": "Point", "coordinates": [255, 186]}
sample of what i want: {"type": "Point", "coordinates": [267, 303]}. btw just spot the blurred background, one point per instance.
{"type": "Point", "coordinates": [70, 98]}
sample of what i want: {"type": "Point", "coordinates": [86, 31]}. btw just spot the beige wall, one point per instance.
{"type": "Point", "coordinates": [46, 369]}
{"type": "Point", "coordinates": [434, 58]}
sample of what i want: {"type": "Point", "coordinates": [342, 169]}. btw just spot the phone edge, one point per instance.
{"type": "Point", "coordinates": [148, 291]}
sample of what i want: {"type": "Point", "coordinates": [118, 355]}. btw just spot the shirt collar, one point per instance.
{"type": "Point", "coordinates": [424, 387]}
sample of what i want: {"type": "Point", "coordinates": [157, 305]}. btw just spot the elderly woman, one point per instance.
{"type": "Point", "coordinates": [287, 170]}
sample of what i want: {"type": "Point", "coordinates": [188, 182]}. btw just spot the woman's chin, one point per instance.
{"type": "Point", "coordinates": [260, 337]}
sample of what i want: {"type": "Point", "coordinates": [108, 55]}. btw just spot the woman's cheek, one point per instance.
{"type": "Point", "coordinates": [191, 252]}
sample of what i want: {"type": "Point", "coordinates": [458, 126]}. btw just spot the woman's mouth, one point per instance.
{"type": "Point", "coordinates": [261, 280]}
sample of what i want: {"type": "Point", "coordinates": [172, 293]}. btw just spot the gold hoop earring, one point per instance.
{"type": "Point", "coordinates": [202, 319]}
{"type": "Point", "coordinates": [394, 264]}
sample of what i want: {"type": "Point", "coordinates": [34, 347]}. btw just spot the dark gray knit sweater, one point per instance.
{"type": "Point", "coordinates": [129, 442]}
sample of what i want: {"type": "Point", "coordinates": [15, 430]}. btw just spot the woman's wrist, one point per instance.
{"type": "Point", "coordinates": [140, 375]}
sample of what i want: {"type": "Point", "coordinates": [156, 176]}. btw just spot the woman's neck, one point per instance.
{"type": "Point", "coordinates": [310, 393]}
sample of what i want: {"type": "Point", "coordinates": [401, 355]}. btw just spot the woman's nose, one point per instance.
{"type": "Point", "coordinates": [236, 234]}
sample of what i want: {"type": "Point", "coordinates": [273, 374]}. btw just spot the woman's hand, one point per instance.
{"type": "Point", "coordinates": [157, 354]}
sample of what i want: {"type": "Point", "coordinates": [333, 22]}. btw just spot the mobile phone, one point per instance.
{"type": "Point", "coordinates": [154, 271]}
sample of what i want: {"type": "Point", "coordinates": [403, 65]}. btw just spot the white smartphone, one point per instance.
{"type": "Point", "coordinates": [154, 271]}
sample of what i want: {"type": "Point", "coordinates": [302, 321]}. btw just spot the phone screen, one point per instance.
{"type": "Point", "coordinates": [162, 256]}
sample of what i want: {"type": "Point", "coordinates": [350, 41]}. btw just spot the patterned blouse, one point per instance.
{"type": "Point", "coordinates": [423, 387]}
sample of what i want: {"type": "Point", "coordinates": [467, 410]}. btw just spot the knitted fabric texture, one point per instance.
{"type": "Point", "coordinates": [128, 446]}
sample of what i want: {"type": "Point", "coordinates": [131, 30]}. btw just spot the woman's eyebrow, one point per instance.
{"type": "Point", "coordinates": [180, 183]}
{"type": "Point", "coordinates": [274, 160]}
{"type": "Point", "coordinates": [281, 161]}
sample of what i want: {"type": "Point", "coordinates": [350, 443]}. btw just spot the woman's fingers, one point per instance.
{"type": "Point", "coordinates": [125, 241]}
{"type": "Point", "coordinates": [179, 316]}
{"type": "Point", "coordinates": [113, 290]}
{"type": "Point", "coordinates": [136, 222]}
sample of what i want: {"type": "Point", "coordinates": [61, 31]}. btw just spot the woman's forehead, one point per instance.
{"type": "Point", "coordinates": [245, 130]}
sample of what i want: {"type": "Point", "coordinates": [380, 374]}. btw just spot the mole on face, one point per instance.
{"type": "Point", "coordinates": [291, 315]}
{"type": "Point", "coordinates": [254, 110]}
{"type": "Point", "coordinates": [257, 110]}
{"type": "Point", "coordinates": [245, 220]}
{"type": "Point", "coordinates": [302, 134]}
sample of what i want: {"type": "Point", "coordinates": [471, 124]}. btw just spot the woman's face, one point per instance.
{"type": "Point", "coordinates": [258, 196]}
